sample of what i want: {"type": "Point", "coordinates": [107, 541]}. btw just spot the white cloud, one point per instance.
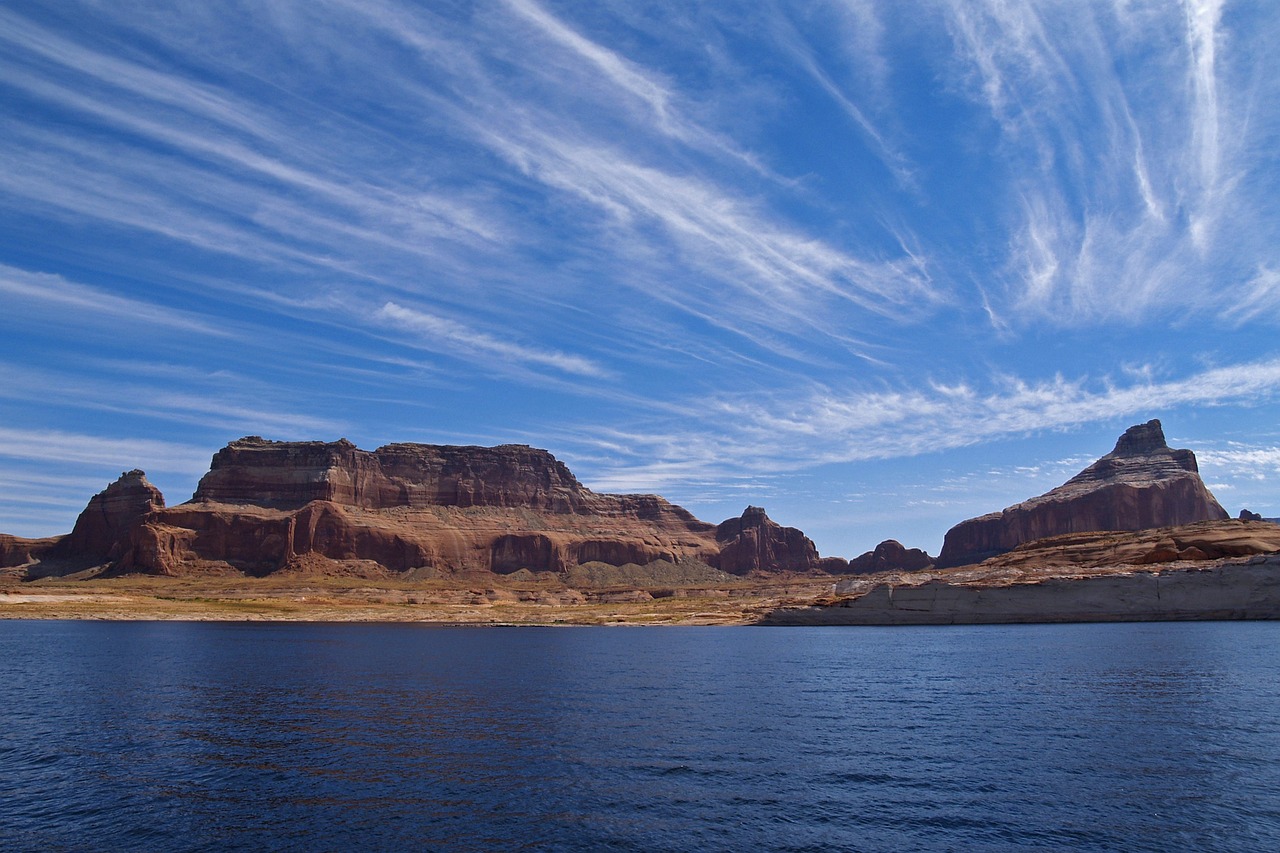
{"type": "Point", "coordinates": [801, 431]}
{"type": "Point", "coordinates": [70, 447]}
{"type": "Point", "coordinates": [79, 302]}
{"type": "Point", "coordinates": [450, 337]}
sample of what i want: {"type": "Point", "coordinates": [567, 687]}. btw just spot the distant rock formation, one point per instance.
{"type": "Point", "coordinates": [890, 556]}
{"type": "Point", "coordinates": [1246, 515]}
{"type": "Point", "coordinates": [1141, 484]}
{"type": "Point", "coordinates": [417, 509]}
{"type": "Point", "coordinates": [1226, 569]}
{"type": "Point", "coordinates": [754, 542]}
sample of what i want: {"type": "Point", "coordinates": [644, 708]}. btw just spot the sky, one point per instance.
{"type": "Point", "coordinates": [875, 266]}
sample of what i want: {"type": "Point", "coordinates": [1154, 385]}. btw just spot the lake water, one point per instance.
{"type": "Point", "coordinates": [255, 736]}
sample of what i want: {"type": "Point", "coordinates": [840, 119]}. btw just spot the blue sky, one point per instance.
{"type": "Point", "coordinates": [875, 266]}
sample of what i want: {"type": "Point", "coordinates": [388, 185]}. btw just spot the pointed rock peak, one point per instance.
{"type": "Point", "coordinates": [752, 518]}
{"type": "Point", "coordinates": [1141, 440]}
{"type": "Point", "coordinates": [1141, 484]}
{"type": "Point", "coordinates": [753, 541]}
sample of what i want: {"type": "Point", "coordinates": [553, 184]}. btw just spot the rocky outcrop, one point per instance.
{"type": "Point", "coordinates": [1199, 542]}
{"type": "Point", "coordinates": [414, 509]}
{"type": "Point", "coordinates": [1141, 484]}
{"type": "Point", "coordinates": [17, 551]}
{"type": "Point", "coordinates": [890, 556]}
{"type": "Point", "coordinates": [754, 542]}
{"type": "Point", "coordinates": [103, 530]}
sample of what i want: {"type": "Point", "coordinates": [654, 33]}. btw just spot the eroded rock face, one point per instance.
{"type": "Point", "coordinates": [1141, 484]}
{"type": "Point", "coordinates": [422, 510]}
{"type": "Point", "coordinates": [103, 529]}
{"type": "Point", "coordinates": [265, 506]}
{"type": "Point", "coordinates": [754, 542]}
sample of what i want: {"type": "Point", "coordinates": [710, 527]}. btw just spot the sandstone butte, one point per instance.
{"type": "Point", "coordinates": [420, 511]}
{"type": "Point", "coordinates": [1141, 484]}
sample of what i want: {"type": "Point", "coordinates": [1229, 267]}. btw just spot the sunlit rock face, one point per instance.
{"type": "Point", "coordinates": [286, 475]}
{"type": "Point", "coordinates": [266, 506]}
{"type": "Point", "coordinates": [890, 556]}
{"type": "Point", "coordinates": [1141, 484]}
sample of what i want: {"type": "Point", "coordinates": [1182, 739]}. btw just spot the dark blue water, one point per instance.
{"type": "Point", "coordinates": [283, 736]}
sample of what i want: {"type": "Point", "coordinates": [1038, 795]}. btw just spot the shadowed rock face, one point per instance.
{"type": "Point", "coordinates": [755, 542]}
{"type": "Point", "coordinates": [266, 506]}
{"type": "Point", "coordinates": [1141, 484]}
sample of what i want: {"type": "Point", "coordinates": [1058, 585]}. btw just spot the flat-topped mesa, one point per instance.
{"type": "Point", "coordinates": [425, 510]}
{"type": "Point", "coordinates": [1141, 484]}
{"type": "Point", "coordinates": [284, 474]}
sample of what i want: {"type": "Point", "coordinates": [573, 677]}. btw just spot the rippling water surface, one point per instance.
{"type": "Point", "coordinates": [284, 736]}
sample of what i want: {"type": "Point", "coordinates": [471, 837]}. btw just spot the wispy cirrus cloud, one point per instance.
{"type": "Point", "coordinates": [450, 337]}
{"type": "Point", "coordinates": [41, 444]}
{"type": "Point", "coordinates": [197, 398]}
{"type": "Point", "coordinates": [1122, 203]}
{"type": "Point", "coordinates": [73, 302]}
{"type": "Point", "coordinates": [821, 426]}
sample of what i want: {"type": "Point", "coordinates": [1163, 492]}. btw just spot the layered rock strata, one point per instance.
{"type": "Point", "coordinates": [1208, 570]}
{"type": "Point", "coordinates": [422, 510]}
{"type": "Point", "coordinates": [1141, 484]}
{"type": "Point", "coordinates": [1227, 591]}
{"type": "Point", "coordinates": [103, 529]}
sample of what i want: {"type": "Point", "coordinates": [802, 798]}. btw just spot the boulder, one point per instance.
{"type": "Point", "coordinates": [1141, 484]}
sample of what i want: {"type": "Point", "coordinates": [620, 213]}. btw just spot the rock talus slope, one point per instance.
{"type": "Point", "coordinates": [1141, 484]}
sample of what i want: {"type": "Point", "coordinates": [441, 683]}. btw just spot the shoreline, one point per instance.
{"type": "Point", "coordinates": [323, 600]}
